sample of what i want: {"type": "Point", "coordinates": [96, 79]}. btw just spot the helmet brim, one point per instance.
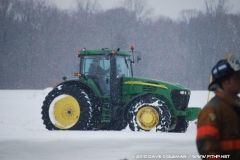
{"type": "Point", "coordinates": [213, 85]}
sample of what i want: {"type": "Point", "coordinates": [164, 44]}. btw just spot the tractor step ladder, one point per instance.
{"type": "Point", "coordinates": [106, 113]}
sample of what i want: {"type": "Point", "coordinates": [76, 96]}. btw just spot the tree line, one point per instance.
{"type": "Point", "coordinates": [39, 42]}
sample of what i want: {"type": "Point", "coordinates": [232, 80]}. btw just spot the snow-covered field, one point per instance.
{"type": "Point", "coordinates": [24, 137]}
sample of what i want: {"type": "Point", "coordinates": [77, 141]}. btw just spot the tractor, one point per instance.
{"type": "Point", "coordinates": [104, 95]}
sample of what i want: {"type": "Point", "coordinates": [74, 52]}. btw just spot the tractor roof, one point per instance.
{"type": "Point", "coordinates": [102, 52]}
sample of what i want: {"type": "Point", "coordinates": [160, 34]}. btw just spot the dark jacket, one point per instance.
{"type": "Point", "coordinates": [97, 70]}
{"type": "Point", "coordinates": [218, 127]}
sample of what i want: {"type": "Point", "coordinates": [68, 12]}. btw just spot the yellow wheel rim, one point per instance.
{"type": "Point", "coordinates": [64, 112]}
{"type": "Point", "coordinates": [147, 118]}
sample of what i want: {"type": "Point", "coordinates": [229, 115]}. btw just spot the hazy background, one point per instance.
{"type": "Point", "coordinates": [169, 8]}
{"type": "Point", "coordinates": [39, 41]}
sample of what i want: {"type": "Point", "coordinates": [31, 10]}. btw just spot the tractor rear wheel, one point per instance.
{"type": "Point", "coordinates": [66, 107]}
{"type": "Point", "coordinates": [149, 113]}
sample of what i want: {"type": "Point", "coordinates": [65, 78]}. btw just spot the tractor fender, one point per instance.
{"type": "Point", "coordinates": [86, 87]}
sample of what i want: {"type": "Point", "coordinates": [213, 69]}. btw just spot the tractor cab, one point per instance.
{"type": "Point", "coordinates": [104, 66]}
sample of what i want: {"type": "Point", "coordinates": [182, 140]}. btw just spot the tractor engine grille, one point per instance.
{"type": "Point", "coordinates": [180, 99]}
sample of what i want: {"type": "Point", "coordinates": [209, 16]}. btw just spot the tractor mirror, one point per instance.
{"type": "Point", "coordinates": [138, 58]}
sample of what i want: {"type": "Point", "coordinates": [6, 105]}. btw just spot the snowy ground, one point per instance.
{"type": "Point", "coordinates": [24, 137]}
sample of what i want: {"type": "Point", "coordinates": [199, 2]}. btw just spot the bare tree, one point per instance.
{"type": "Point", "coordinates": [141, 8]}
{"type": "Point", "coordinates": [216, 7]}
{"type": "Point", "coordinates": [186, 15]}
{"type": "Point", "coordinates": [88, 6]}
{"type": "Point", "coordinates": [5, 20]}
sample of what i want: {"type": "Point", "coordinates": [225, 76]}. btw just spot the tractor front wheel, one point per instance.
{"type": "Point", "coordinates": [181, 125]}
{"type": "Point", "coordinates": [147, 114]}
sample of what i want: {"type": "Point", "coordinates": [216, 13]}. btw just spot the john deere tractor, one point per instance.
{"type": "Point", "coordinates": [110, 98]}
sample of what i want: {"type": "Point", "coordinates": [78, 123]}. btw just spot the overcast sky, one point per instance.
{"type": "Point", "coordinates": [169, 8]}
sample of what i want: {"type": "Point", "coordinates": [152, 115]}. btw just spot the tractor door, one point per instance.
{"type": "Point", "coordinates": [123, 66]}
{"type": "Point", "coordinates": [120, 67]}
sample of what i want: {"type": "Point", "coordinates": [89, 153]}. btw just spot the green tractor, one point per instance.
{"type": "Point", "coordinates": [106, 96]}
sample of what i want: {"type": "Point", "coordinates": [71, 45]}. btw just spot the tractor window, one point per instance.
{"type": "Point", "coordinates": [123, 66]}
{"type": "Point", "coordinates": [87, 61]}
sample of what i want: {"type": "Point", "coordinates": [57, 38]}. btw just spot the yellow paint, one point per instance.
{"type": "Point", "coordinates": [146, 84]}
{"type": "Point", "coordinates": [209, 91]}
{"type": "Point", "coordinates": [147, 118]}
{"type": "Point", "coordinates": [66, 112]}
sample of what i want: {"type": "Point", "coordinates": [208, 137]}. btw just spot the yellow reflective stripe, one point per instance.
{"type": "Point", "coordinates": [146, 84]}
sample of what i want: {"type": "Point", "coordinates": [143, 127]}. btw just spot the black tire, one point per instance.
{"type": "Point", "coordinates": [95, 122]}
{"type": "Point", "coordinates": [66, 107]}
{"type": "Point", "coordinates": [160, 117]}
{"type": "Point", "coordinates": [181, 125]}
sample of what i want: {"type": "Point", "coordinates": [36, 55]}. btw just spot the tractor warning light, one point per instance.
{"type": "Point", "coordinates": [113, 51]}
{"type": "Point", "coordinates": [132, 47]}
{"type": "Point", "coordinates": [77, 74]}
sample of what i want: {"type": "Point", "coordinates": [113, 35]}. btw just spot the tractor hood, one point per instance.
{"type": "Point", "coordinates": [152, 83]}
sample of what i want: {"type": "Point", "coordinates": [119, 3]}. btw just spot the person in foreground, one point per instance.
{"type": "Point", "coordinates": [218, 125]}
